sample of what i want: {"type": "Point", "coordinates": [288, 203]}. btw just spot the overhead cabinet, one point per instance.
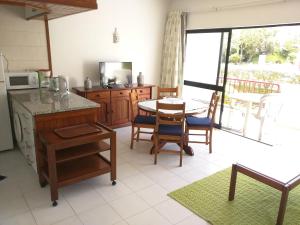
{"type": "Point", "coordinates": [37, 9]}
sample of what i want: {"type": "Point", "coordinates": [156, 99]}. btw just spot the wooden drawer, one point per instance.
{"type": "Point", "coordinates": [98, 95]}
{"type": "Point", "coordinates": [122, 93]}
{"type": "Point", "coordinates": [143, 91]}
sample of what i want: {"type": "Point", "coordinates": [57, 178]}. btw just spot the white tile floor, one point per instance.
{"type": "Point", "coordinates": [139, 198]}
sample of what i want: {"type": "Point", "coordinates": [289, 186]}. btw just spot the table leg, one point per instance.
{"type": "Point", "coordinates": [187, 149]}
{"type": "Point", "coordinates": [282, 207]}
{"type": "Point", "coordinates": [232, 182]}
{"type": "Point", "coordinates": [52, 175]}
{"type": "Point", "coordinates": [249, 104]}
{"type": "Point", "coordinates": [161, 144]}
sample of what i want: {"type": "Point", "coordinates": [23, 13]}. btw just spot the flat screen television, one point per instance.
{"type": "Point", "coordinates": [119, 73]}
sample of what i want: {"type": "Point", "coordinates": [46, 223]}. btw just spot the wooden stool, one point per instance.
{"type": "Point", "coordinates": [72, 154]}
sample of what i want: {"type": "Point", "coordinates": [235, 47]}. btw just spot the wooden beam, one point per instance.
{"type": "Point", "coordinates": [48, 43]}
{"type": "Point", "coordinates": [7, 2]}
{"type": "Point", "coordinates": [91, 4]}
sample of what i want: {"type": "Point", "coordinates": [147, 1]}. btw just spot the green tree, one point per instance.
{"type": "Point", "coordinates": [250, 43]}
{"type": "Point", "coordinates": [289, 50]}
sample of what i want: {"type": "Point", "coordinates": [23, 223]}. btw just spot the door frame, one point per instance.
{"type": "Point", "coordinates": [215, 87]}
{"type": "Point", "coordinates": [229, 30]}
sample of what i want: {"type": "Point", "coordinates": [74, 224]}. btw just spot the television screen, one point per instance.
{"type": "Point", "coordinates": [121, 71]}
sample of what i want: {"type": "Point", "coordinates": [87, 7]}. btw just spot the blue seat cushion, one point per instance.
{"type": "Point", "coordinates": [170, 130]}
{"type": "Point", "coordinates": [198, 121]}
{"type": "Point", "coordinates": [145, 119]}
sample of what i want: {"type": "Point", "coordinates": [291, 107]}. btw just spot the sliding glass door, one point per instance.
{"type": "Point", "coordinates": [205, 66]}
{"type": "Point", "coordinates": [256, 71]}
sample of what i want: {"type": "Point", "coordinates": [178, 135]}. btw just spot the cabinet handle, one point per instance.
{"type": "Point", "coordinates": [97, 95]}
{"type": "Point", "coordinates": [121, 93]}
{"type": "Point", "coordinates": [141, 91]}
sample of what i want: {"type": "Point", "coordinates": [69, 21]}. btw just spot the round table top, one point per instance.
{"type": "Point", "coordinates": [191, 106]}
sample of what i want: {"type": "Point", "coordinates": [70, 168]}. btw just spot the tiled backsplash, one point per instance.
{"type": "Point", "coordinates": [23, 42]}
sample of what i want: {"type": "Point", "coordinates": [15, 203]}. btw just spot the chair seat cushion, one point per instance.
{"type": "Point", "coordinates": [145, 119]}
{"type": "Point", "coordinates": [198, 121]}
{"type": "Point", "coordinates": [170, 130]}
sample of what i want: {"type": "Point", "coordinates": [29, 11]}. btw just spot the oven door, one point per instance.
{"type": "Point", "coordinates": [17, 82]}
{"type": "Point", "coordinates": [21, 81]}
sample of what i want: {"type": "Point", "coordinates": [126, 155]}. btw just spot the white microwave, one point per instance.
{"type": "Point", "coordinates": [21, 80]}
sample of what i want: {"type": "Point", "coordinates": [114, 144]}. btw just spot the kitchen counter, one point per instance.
{"type": "Point", "coordinates": [43, 101]}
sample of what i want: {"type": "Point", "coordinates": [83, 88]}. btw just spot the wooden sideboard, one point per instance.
{"type": "Point", "coordinates": [115, 110]}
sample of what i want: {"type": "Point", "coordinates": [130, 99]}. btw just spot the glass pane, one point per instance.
{"type": "Point", "coordinates": [202, 57]}
{"type": "Point", "coordinates": [203, 95]}
{"type": "Point", "coordinates": [263, 83]}
{"type": "Point", "coordinates": [195, 93]}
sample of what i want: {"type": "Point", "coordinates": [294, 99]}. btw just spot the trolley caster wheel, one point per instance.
{"type": "Point", "coordinates": [54, 203]}
{"type": "Point", "coordinates": [43, 184]}
{"type": "Point", "coordinates": [114, 183]}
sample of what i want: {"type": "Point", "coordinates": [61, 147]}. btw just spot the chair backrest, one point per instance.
{"type": "Point", "coordinates": [133, 103]}
{"type": "Point", "coordinates": [213, 107]}
{"type": "Point", "coordinates": [270, 106]}
{"type": "Point", "coordinates": [170, 114]}
{"type": "Point", "coordinates": [167, 92]}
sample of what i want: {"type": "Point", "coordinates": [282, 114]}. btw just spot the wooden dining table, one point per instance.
{"type": "Point", "coordinates": [192, 107]}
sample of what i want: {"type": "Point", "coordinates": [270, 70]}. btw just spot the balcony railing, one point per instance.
{"type": "Point", "coordinates": [235, 85]}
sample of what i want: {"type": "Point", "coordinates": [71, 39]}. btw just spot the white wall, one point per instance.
{"type": "Point", "coordinates": [23, 42]}
{"type": "Point", "coordinates": [202, 16]}
{"type": "Point", "coordinates": [80, 41]}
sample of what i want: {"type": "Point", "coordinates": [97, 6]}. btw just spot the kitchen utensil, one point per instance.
{"type": "Point", "coordinates": [54, 84]}
{"type": "Point", "coordinates": [44, 78]}
{"type": "Point", "coordinates": [63, 84]}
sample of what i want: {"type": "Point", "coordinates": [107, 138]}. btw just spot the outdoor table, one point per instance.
{"type": "Point", "coordinates": [249, 99]}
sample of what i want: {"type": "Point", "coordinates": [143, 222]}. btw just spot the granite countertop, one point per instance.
{"type": "Point", "coordinates": [43, 101]}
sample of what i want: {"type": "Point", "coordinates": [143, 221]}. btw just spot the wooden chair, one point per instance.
{"type": "Point", "coordinates": [169, 92]}
{"type": "Point", "coordinates": [204, 123]}
{"type": "Point", "coordinates": [139, 121]}
{"type": "Point", "coordinates": [169, 127]}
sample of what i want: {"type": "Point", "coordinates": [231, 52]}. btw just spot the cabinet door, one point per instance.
{"type": "Point", "coordinates": [120, 110]}
{"type": "Point", "coordinates": [103, 99]}
{"type": "Point", "coordinates": [105, 115]}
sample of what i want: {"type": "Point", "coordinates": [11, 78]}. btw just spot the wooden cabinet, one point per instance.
{"type": "Point", "coordinates": [120, 109]}
{"type": "Point", "coordinates": [103, 99]}
{"type": "Point", "coordinates": [144, 93]}
{"type": "Point", "coordinates": [115, 110]}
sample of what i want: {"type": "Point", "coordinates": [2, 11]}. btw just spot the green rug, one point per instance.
{"type": "Point", "coordinates": [254, 203]}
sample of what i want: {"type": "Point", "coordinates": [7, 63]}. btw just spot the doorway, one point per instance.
{"type": "Point", "coordinates": [256, 71]}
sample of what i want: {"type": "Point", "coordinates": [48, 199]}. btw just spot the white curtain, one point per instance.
{"type": "Point", "coordinates": [173, 50]}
